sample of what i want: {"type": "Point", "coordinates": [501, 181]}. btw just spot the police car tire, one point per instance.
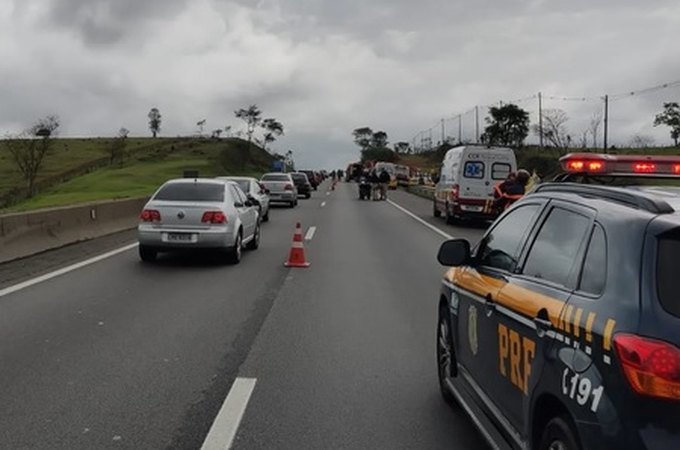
{"type": "Point", "coordinates": [446, 393]}
{"type": "Point", "coordinates": [559, 430]}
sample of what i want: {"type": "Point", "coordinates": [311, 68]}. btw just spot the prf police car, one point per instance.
{"type": "Point", "coordinates": [560, 330]}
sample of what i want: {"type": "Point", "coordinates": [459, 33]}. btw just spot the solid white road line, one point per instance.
{"type": "Point", "coordinates": [431, 227]}
{"type": "Point", "coordinates": [223, 431]}
{"type": "Point", "coordinates": [64, 270]}
{"type": "Point", "coordinates": [310, 234]}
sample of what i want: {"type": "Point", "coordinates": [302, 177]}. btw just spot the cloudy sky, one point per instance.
{"type": "Point", "coordinates": [325, 67]}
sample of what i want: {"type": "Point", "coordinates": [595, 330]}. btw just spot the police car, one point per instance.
{"type": "Point", "coordinates": [560, 330]}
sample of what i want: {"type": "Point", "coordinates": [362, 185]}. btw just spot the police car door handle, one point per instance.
{"type": "Point", "coordinates": [489, 304]}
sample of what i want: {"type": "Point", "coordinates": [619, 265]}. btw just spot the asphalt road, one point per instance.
{"type": "Point", "coordinates": [122, 355]}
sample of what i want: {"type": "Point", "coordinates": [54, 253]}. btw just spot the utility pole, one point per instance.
{"type": "Point", "coordinates": [606, 121]}
{"type": "Point", "coordinates": [477, 123]}
{"type": "Point", "coordinates": [460, 128]}
{"type": "Point", "coordinates": [540, 118]}
{"type": "Point", "coordinates": [443, 131]}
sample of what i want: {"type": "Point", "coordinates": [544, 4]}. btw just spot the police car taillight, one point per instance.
{"type": "Point", "coordinates": [652, 367]}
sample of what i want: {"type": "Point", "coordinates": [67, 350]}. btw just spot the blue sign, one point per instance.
{"type": "Point", "coordinates": [277, 166]}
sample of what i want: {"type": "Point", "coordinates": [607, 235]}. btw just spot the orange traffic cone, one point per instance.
{"type": "Point", "coordinates": [296, 258]}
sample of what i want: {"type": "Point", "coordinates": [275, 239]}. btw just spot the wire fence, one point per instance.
{"type": "Point", "coordinates": [624, 119]}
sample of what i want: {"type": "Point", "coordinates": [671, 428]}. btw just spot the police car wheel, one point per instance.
{"type": "Point", "coordinates": [445, 358]}
{"type": "Point", "coordinates": [559, 435]}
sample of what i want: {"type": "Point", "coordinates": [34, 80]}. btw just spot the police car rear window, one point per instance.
{"type": "Point", "coordinates": [667, 279]}
{"type": "Point", "coordinates": [473, 169]}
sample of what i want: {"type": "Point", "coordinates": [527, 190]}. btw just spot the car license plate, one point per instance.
{"type": "Point", "coordinates": [180, 237]}
{"type": "Point", "coordinates": [471, 208]}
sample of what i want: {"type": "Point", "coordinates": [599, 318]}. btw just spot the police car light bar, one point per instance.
{"type": "Point", "coordinates": [621, 165]}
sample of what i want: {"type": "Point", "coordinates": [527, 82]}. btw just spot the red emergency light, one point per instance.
{"type": "Point", "coordinates": [621, 165]}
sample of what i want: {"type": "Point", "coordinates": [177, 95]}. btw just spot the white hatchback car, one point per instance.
{"type": "Point", "coordinates": [198, 214]}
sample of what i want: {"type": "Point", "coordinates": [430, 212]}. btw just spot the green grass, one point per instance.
{"type": "Point", "coordinates": [151, 163]}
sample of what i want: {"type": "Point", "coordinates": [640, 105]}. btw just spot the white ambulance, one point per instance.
{"type": "Point", "coordinates": [467, 179]}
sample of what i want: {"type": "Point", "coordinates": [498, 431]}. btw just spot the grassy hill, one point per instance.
{"type": "Point", "coordinates": [78, 170]}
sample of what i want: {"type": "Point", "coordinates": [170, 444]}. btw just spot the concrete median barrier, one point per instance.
{"type": "Point", "coordinates": [25, 234]}
{"type": "Point", "coordinates": [422, 191]}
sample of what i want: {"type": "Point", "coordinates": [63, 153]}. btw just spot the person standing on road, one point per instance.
{"type": "Point", "coordinates": [384, 179]}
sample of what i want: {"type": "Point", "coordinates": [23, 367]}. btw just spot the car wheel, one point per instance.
{"type": "Point", "coordinates": [147, 254]}
{"type": "Point", "coordinates": [255, 243]}
{"type": "Point", "coordinates": [436, 211]}
{"type": "Point", "coordinates": [295, 203]}
{"type": "Point", "coordinates": [236, 251]}
{"type": "Point", "coordinates": [445, 353]}
{"type": "Point", "coordinates": [450, 219]}
{"type": "Point", "coordinates": [559, 435]}
{"type": "Point", "coordinates": [265, 218]}
{"type": "Point", "coordinates": [308, 196]}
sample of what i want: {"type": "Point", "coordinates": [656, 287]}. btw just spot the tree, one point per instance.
{"type": "Point", "coordinates": [252, 116]}
{"type": "Point", "coordinates": [379, 139]}
{"type": "Point", "coordinates": [227, 130]}
{"type": "Point", "coordinates": [508, 125]}
{"type": "Point", "coordinates": [273, 129]}
{"type": "Point", "coordinates": [671, 118]}
{"type": "Point", "coordinates": [402, 147]}
{"type": "Point", "coordinates": [216, 133]}
{"type": "Point", "coordinates": [200, 124]}
{"type": "Point", "coordinates": [594, 127]}
{"type": "Point", "coordinates": [28, 149]}
{"type": "Point", "coordinates": [118, 146]}
{"type": "Point", "coordinates": [155, 121]}
{"type": "Point", "coordinates": [641, 141]}
{"type": "Point", "coordinates": [554, 128]}
{"type": "Point", "coordinates": [362, 137]}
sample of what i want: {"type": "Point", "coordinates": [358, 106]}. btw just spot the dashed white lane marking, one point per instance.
{"type": "Point", "coordinates": [323, 204]}
{"type": "Point", "coordinates": [431, 227]}
{"type": "Point", "coordinates": [310, 234]}
{"type": "Point", "coordinates": [223, 430]}
{"type": "Point", "coordinates": [64, 270]}
{"type": "Point", "coordinates": [328, 192]}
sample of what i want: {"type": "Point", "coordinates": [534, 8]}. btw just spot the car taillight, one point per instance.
{"type": "Point", "coordinates": [453, 194]}
{"type": "Point", "coordinates": [214, 217]}
{"type": "Point", "coordinates": [651, 366]}
{"type": "Point", "coordinates": [289, 187]}
{"type": "Point", "coordinates": [150, 215]}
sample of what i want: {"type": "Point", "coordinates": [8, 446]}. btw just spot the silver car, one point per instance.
{"type": "Point", "coordinates": [198, 214]}
{"type": "Point", "coordinates": [255, 192]}
{"type": "Point", "coordinates": [281, 188]}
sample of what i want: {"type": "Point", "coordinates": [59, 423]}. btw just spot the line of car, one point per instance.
{"type": "Point", "coordinates": [222, 214]}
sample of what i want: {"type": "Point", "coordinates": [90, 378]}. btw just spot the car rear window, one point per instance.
{"type": "Point", "coordinates": [299, 177]}
{"type": "Point", "coordinates": [275, 177]}
{"type": "Point", "coordinates": [667, 279]}
{"type": "Point", "coordinates": [244, 185]}
{"type": "Point", "coordinates": [192, 192]}
{"type": "Point", "coordinates": [500, 171]}
{"type": "Point", "coordinates": [473, 169]}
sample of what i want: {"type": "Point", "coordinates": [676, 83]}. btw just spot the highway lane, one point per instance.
{"type": "Point", "coordinates": [346, 357]}
{"type": "Point", "coordinates": [123, 355]}
{"type": "Point", "coordinates": [120, 354]}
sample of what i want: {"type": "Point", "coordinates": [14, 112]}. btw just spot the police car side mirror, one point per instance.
{"type": "Point", "coordinates": [455, 252]}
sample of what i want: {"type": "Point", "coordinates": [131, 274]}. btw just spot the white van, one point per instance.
{"type": "Point", "coordinates": [467, 179]}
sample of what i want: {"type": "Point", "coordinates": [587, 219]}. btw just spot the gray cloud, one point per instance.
{"type": "Point", "coordinates": [324, 68]}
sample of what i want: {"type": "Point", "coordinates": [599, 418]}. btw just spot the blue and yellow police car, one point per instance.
{"type": "Point", "coordinates": [560, 330]}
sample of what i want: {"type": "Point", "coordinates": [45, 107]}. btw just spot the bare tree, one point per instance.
{"type": "Point", "coordinates": [272, 129]}
{"type": "Point", "coordinates": [583, 142]}
{"type": "Point", "coordinates": [252, 116]}
{"type": "Point", "coordinates": [28, 149]}
{"type": "Point", "coordinates": [641, 141]}
{"type": "Point", "coordinates": [594, 126]}
{"type": "Point", "coordinates": [554, 128]}
{"type": "Point", "coordinates": [200, 124]}
{"type": "Point", "coordinates": [118, 146]}
{"type": "Point", "coordinates": [227, 131]}
{"type": "Point", "coordinates": [216, 133]}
